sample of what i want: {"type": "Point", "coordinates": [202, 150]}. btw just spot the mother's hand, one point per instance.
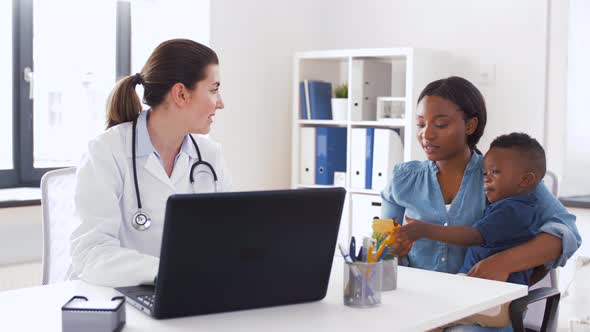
{"type": "Point", "coordinates": [402, 245]}
{"type": "Point", "coordinates": [401, 248]}
{"type": "Point", "coordinates": [489, 269]}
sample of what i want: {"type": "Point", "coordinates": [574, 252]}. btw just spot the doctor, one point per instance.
{"type": "Point", "coordinates": [144, 157]}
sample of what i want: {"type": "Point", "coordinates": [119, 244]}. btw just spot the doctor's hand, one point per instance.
{"type": "Point", "coordinates": [489, 268]}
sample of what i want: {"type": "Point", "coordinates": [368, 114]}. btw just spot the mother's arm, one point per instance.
{"type": "Point", "coordinates": [556, 242]}
{"type": "Point", "coordinates": [390, 209]}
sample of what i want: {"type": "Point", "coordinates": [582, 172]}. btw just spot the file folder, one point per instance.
{"type": "Point", "coordinates": [320, 100]}
{"type": "Point", "coordinates": [307, 155]}
{"type": "Point", "coordinates": [303, 114]}
{"type": "Point", "coordinates": [388, 151]}
{"type": "Point", "coordinates": [370, 79]}
{"type": "Point", "coordinates": [330, 154]}
{"type": "Point", "coordinates": [358, 161]}
{"type": "Point", "coordinates": [364, 209]}
{"type": "Point", "coordinates": [369, 158]}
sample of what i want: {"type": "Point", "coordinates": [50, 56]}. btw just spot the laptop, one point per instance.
{"type": "Point", "coordinates": [242, 250]}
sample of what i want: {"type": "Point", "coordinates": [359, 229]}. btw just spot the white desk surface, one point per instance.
{"type": "Point", "coordinates": [423, 300]}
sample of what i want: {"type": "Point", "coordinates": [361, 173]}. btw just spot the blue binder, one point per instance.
{"type": "Point", "coordinates": [330, 154]}
{"type": "Point", "coordinates": [320, 96]}
{"type": "Point", "coordinates": [302, 102]}
{"type": "Point", "coordinates": [369, 158]}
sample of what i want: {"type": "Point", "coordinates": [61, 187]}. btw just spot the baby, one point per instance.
{"type": "Point", "coordinates": [513, 167]}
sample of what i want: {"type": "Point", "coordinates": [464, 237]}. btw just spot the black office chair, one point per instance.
{"type": "Point", "coordinates": [540, 277]}
{"type": "Point", "coordinates": [519, 307]}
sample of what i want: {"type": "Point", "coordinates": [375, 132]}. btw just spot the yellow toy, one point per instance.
{"type": "Point", "coordinates": [385, 227]}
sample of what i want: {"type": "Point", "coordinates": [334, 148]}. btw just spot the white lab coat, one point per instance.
{"type": "Point", "coordinates": [106, 249]}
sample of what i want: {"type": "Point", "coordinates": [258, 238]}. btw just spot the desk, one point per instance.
{"type": "Point", "coordinates": [423, 300]}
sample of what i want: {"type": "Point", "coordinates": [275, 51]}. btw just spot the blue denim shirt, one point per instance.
{"type": "Point", "coordinates": [414, 191]}
{"type": "Point", "coordinates": [505, 224]}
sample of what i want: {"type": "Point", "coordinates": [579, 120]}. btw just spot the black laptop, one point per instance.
{"type": "Point", "coordinates": [242, 250]}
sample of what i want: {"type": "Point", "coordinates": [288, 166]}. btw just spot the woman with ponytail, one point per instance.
{"type": "Point", "coordinates": [447, 189]}
{"type": "Point", "coordinates": [144, 157]}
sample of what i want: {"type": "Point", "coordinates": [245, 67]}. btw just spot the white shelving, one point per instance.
{"type": "Point", "coordinates": [407, 72]}
{"type": "Point", "coordinates": [392, 123]}
{"type": "Point", "coordinates": [327, 123]}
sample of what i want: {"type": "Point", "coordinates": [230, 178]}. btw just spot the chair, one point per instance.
{"type": "Point", "coordinates": [59, 221]}
{"type": "Point", "coordinates": [540, 305]}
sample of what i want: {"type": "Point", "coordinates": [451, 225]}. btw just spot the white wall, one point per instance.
{"type": "Point", "coordinates": [20, 228]}
{"type": "Point", "coordinates": [556, 85]}
{"type": "Point", "coordinates": [256, 41]}
{"type": "Point", "coordinates": [577, 155]}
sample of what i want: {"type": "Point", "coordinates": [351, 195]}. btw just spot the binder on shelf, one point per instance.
{"type": "Point", "coordinates": [388, 151]}
{"type": "Point", "coordinates": [358, 161]}
{"type": "Point", "coordinates": [370, 79]}
{"type": "Point", "coordinates": [303, 101]}
{"type": "Point", "coordinates": [364, 209]}
{"type": "Point", "coordinates": [330, 154]}
{"type": "Point", "coordinates": [307, 155]}
{"type": "Point", "coordinates": [369, 157]}
{"type": "Point", "coordinates": [320, 100]}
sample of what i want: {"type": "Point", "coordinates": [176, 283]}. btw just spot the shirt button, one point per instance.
{"type": "Point", "coordinates": [446, 224]}
{"type": "Point", "coordinates": [443, 259]}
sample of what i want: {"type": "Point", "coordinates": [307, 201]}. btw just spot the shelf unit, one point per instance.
{"type": "Point", "coordinates": [410, 70]}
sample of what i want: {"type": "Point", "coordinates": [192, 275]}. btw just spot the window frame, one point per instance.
{"type": "Point", "coordinates": [23, 173]}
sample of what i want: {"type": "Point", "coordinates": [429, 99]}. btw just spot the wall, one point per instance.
{"type": "Point", "coordinates": [20, 228]}
{"type": "Point", "coordinates": [556, 85]}
{"type": "Point", "coordinates": [256, 41]}
{"type": "Point", "coordinates": [577, 155]}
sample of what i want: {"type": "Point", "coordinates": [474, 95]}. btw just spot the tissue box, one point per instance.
{"type": "Point", "coordinates": [79, 314]}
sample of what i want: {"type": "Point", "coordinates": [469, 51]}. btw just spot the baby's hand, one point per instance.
{"type": "Point", "coordinates": [413, 230]}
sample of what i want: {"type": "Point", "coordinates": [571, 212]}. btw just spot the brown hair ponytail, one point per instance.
{"type": "Point", "coordinates": [173, 61]}
{"type": "Point", "coordinates": [123, 104]}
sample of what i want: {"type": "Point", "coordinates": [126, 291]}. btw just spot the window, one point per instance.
{"type": "Point", "coordinates": [66, 58]}
{"type": "Point", "coordinates": [63, 66]}
{"type": "Point", "coordinates": [74, 60]}
{"type": "Point", "coordinates": [6, 162]}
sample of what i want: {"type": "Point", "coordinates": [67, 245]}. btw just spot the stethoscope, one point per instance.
{"type": "Point", "coordinates": [141, 221]}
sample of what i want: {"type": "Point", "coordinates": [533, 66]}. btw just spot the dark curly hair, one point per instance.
{"type": "Point", "coordinates": [529, 149]}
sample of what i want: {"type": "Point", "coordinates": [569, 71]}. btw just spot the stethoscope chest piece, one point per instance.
{"type": "Point", "coordinates": [141, 221]}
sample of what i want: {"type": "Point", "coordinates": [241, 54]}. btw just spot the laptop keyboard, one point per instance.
{"type": "Point", "coordinates": [147, 300]}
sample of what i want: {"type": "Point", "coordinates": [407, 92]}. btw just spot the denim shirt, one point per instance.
{"type": "Point", "coordinates": [505, 224]}
{"type": "Point", "coordinates": [414, 191]}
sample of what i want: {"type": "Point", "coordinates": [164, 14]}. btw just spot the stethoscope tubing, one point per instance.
{"type": "Point", "coordinates": [141, 215]}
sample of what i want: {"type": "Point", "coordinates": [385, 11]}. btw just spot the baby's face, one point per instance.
{"type": "Point", "coordinates": [503, 172]}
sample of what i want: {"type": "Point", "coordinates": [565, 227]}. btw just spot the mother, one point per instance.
{"type": "Point", "coordinates": [447, 189]}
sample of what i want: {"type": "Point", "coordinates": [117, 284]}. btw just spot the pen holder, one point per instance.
{"type": "Point", "coordinates": [362, 284]}
{"type": "Point", "coordinates": [389, 274]}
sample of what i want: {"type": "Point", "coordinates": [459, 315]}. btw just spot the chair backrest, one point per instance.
{"type": "Point", "coordinates": [552, 182]}
{"type": "Point", "coordinates": [534, 316]}
{"type": "Point", "coordinates": [59, 221]}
